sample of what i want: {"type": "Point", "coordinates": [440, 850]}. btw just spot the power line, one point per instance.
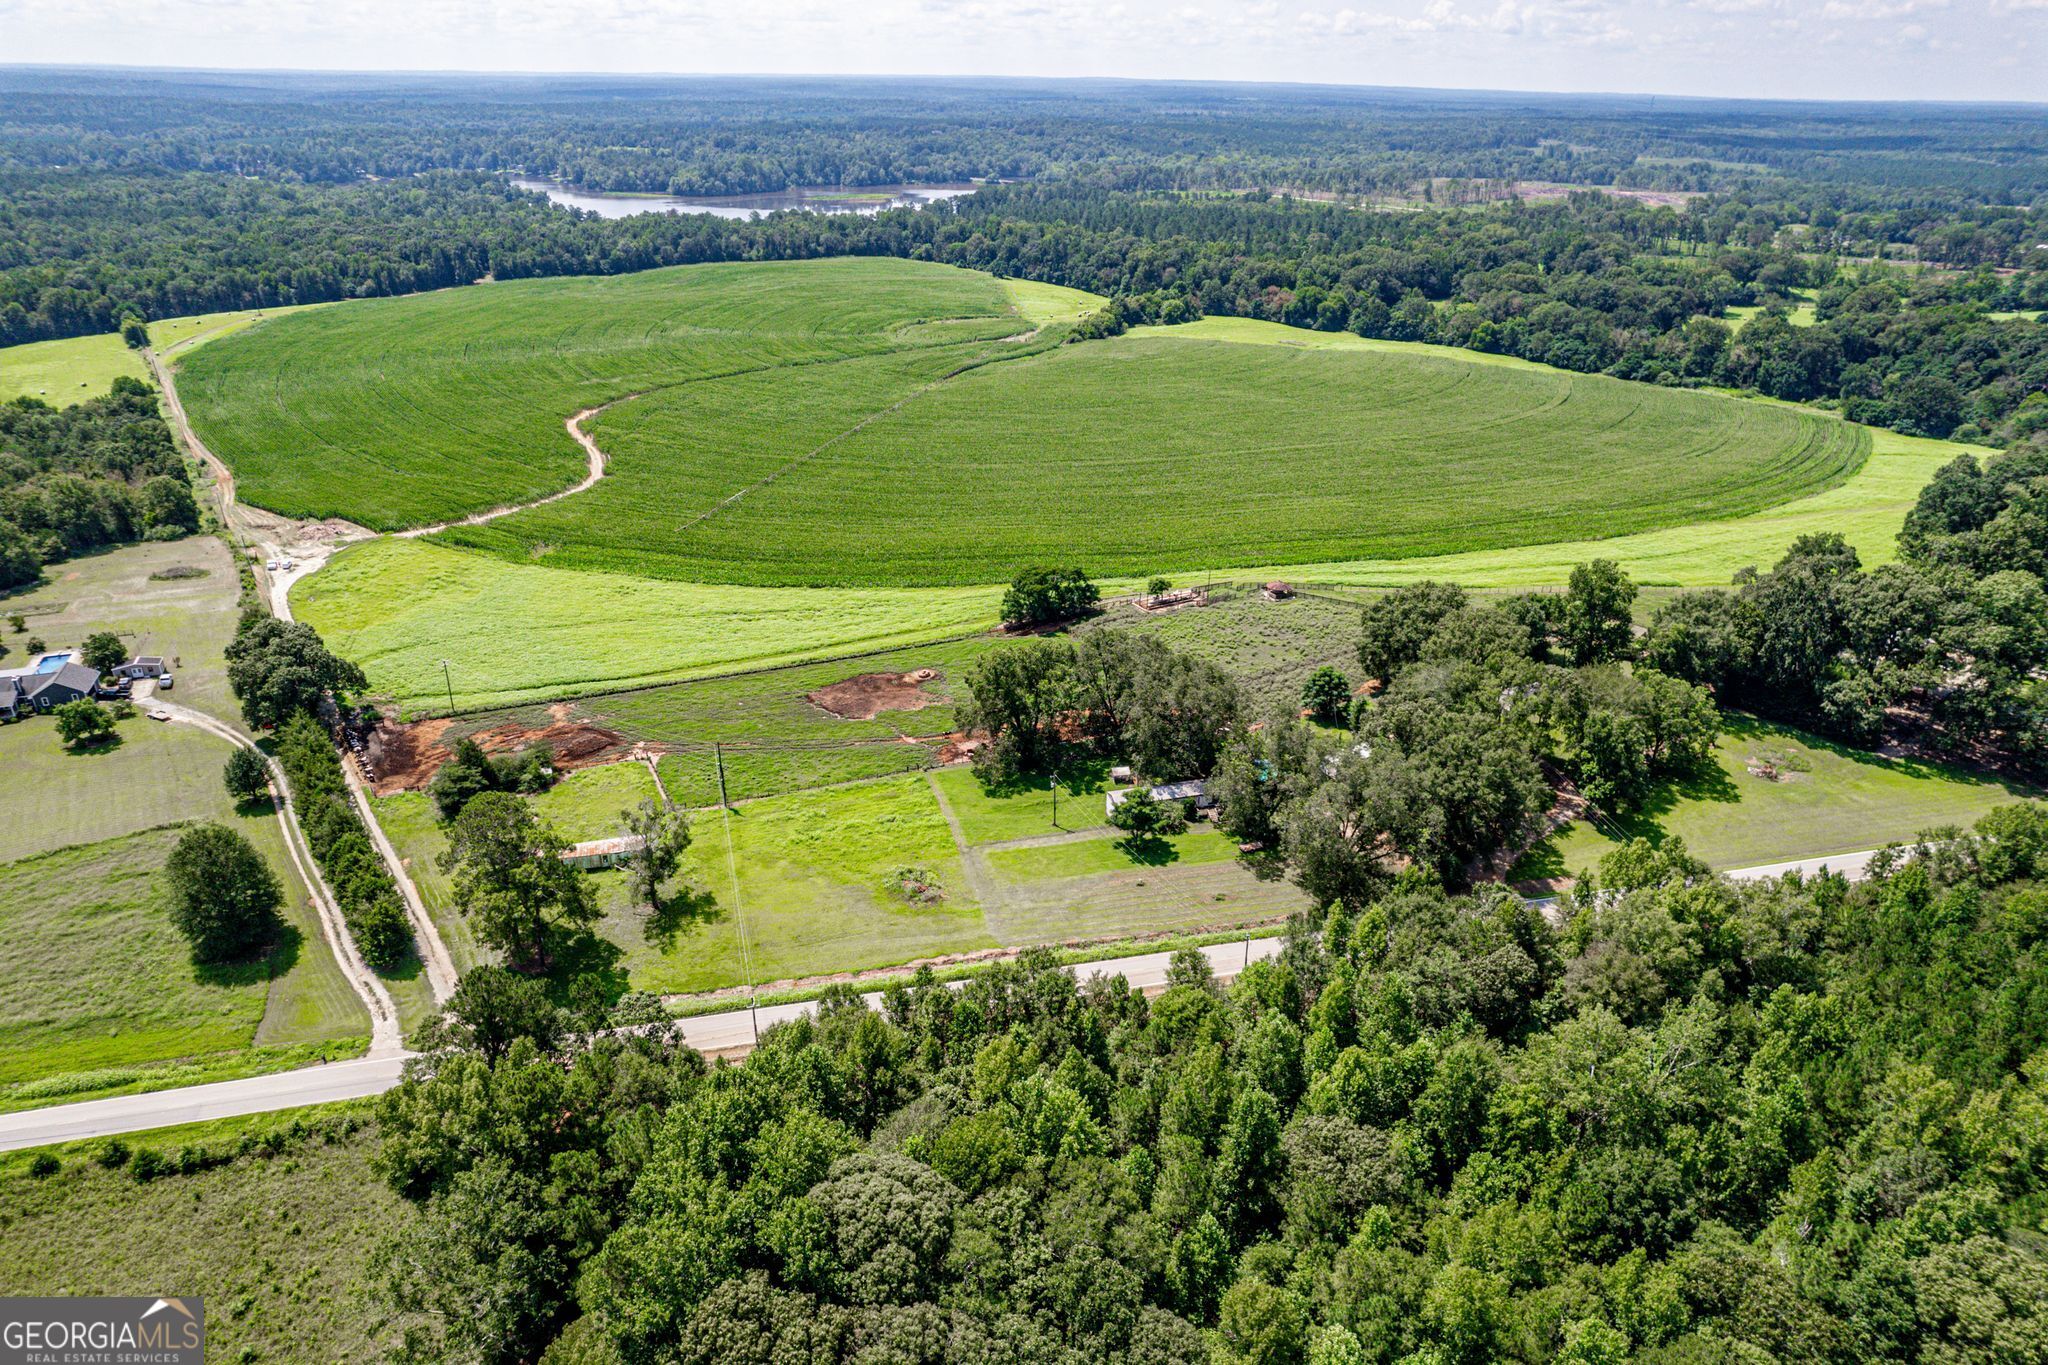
{"type": "Point", "coordinates": [732, 864]}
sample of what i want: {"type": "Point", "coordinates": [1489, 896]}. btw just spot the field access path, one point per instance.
{"type": "Point", "coordinates": [574, 426]}
{"type": "Point", "coordinates": [730, 1033]}
{"type": "Point", "coordinates": [385, 1037]}
{"type": "Point", "coordinates": [262, 529]}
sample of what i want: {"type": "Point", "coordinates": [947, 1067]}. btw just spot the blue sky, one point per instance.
{"type": "Point", "coordinates": [1842, 49]}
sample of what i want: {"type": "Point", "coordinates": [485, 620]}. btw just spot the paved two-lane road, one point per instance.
{"type": "Point", "coordinates": [727, 1034]}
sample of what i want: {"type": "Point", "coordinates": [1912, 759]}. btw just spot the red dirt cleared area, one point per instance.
{"type": "Point", "coordinates": [408, 756]}
{"type": "Point", "coordinates": [870, 694]}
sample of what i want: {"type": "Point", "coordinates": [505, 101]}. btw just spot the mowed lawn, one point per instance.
{"type": "Point", "coordinates": [397, 412]}
{"type": "Point", "coordinates": [99, 992]}
{"type": "Point", "coordinates": [282, 1247]}
{"type": "Point", "coordinates": [1826, 799]}
{"type": "Point", "coordinates": [187, 620]}
{"type": "Point", "coordinates": [155, 774]}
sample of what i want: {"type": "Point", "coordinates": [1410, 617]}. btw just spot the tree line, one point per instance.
{"type": "Point", "coordinates": [1687, 1121]}
{"type": "Point", "coordinates": [80, 478]}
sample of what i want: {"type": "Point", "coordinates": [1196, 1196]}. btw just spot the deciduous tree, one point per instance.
{"type": "Point", "coordinates": [223, 896]}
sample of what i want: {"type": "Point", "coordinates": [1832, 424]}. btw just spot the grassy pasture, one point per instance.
{"type": "Point", "coordinates": [1269, 647]}
{"type": "Point", "coordinates": [1154, 453]}
{"type": "Point", "coordinates": [1828, 799]}
{"type": "Point", "coordinates": [67, 371]}
{"type": "Point", "coordinates": [98, 995]}
{"type": "Point", "coordinates": [280, 1247]}
{"type": "Point", "coordinates": [397, 412]}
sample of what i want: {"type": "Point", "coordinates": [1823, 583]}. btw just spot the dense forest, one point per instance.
{"type": "Point", "coordinates": [740, 135]}
{"type": "Point", "coordinates": [1687, 1121]}
{"type": "Point", "coordinates": [81, 478]}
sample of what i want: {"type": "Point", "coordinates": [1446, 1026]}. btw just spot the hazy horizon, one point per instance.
{"type": "Point", "coordinates": [1960, 51]}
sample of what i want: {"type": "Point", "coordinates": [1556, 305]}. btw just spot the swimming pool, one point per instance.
{"type": "Point", "coordinates": [50, 663]}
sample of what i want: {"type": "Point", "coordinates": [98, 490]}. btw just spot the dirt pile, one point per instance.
{"type": "Point", "coordinates": [870, 694]}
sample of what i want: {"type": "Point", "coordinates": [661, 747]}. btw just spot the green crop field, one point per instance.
{"type": "Point", "coordinates": [397, 412]}
{"type": "Point", "coordinates": [1869, 509]}
{"type": "Point", "coordinates": [830, 424]}
{"type": "Point", "coordinates": [68, 371]}
{"type": "Point", "coordinates": [1823, 799]}
{"type": "Point", "coordinates": [177, 337]}
{"type": "Point", "coordinates": [1155, 453]}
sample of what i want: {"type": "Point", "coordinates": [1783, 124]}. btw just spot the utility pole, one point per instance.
{"type": "Point", "coordinates": [449, 683]}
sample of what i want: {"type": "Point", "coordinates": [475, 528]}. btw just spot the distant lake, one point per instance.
{"type": "Point", "coordinates": [869, 200]}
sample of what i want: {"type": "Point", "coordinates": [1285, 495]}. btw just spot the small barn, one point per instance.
{"type": "Point", "coordinates": [595, 854]}
{"type": "Point", "coordinates": [146, 666]}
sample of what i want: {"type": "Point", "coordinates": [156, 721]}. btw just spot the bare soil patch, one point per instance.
{"type": "Point", "coordinates": [407, 756]}
{"type": "Point", "coordinates": [868, 695]}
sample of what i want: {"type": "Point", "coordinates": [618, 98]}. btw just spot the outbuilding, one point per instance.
{"type": "Point", "coordinates": [594, 854]}
{"type": "Point", "coordinates": [146, 666]}
{"type": "Point", "coordinates": [1194, 790]}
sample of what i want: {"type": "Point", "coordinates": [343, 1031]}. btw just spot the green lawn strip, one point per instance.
{"type": "Point", "coordinates": [694, 1006]}
{"type": "Point", "coordinates": [515, 633]}
{"type": "Point", "coordinates": [817, 891]}
{"type": "Point", "coordinates": [1827, 800]}
{"type": "Point", "coordinates": [1868, 510]}
{"type": "Point", "coordinates": [1085, 857]}
{"type": "Point", "coordinates": [69, 371]}
{"type": "Point", "coordinates": [1025, 809]}
{"type": "Point", "coordinates": [99, 991]}
{"type": "Point", "coordinates": [186, 620]}
{"type": "Point", "coordinates": [1200, 893]}
{"type": "Point", "coordinates": [281, 1247]}
{"type": "Point", "coordinates": [752, 774]}
{"type": "Point", "coordinates": [409, 821]}
{"type": "Point", "coordinates": [112, 1081]}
